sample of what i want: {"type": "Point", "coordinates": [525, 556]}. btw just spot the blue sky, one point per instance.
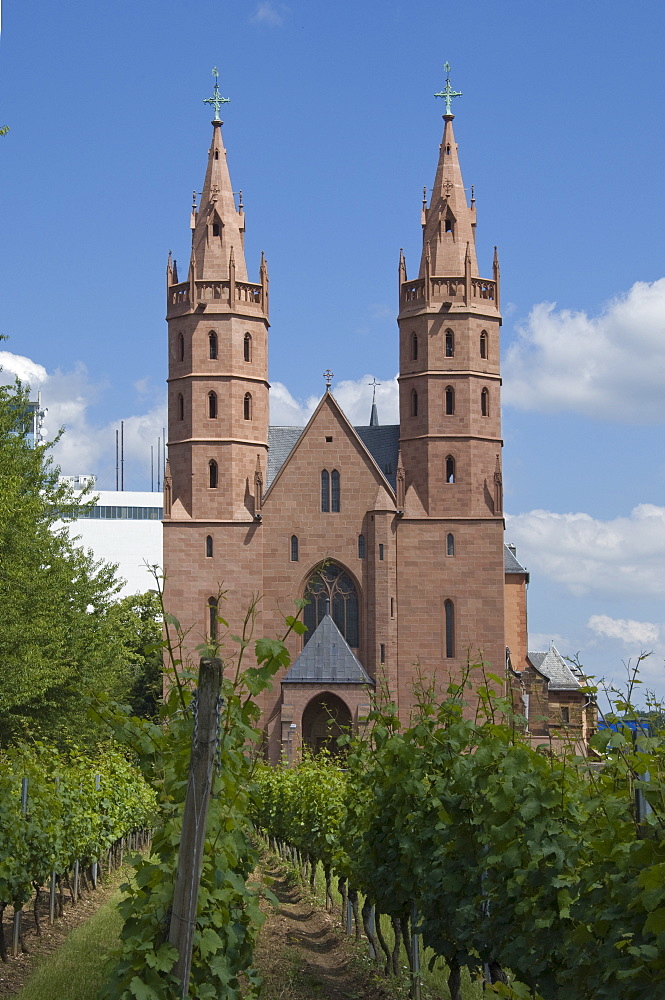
{"type": "Point", "coordinates": [332, 132]}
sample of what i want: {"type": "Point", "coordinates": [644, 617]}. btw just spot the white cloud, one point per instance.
{"type": "Point", "coordinates": [269, 13]}
{"type": "Point", "coordinates": [354, 396]}
{"type": "Point", "coordinates": [16, 365]}
{"type": "Point", "coordinates": [624, 556]}
{"type": "Point", "coordinates": [611, 366]}
{"type": "Point", "coordinates": [632, 633]}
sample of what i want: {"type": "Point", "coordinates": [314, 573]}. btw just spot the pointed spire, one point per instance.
{"type": "Point", "coordinates": [218, 226]}
{"type": "Point", "coordinates": [402, 267]}
{"type": "Point", "coordinates": [449, 222]}
{"type": "Point", "coordinates": [374, 415]}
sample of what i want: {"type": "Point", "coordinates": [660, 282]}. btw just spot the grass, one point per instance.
{"type": "Point", "coordinates": [77, 970]}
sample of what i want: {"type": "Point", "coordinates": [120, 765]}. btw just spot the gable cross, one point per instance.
{"type": "Point", "coordinates": [328, 376]}
{"type": "Point", "coordinates": [216, 100]}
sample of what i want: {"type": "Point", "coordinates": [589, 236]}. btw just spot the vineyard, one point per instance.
{"type": "Point", "coordinates": [511, 862]}
{"type": "Point", "coordinates": [61, 814]}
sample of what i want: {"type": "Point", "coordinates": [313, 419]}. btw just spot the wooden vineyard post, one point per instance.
{"type": "Point", "coordinates": [98, 782]}
{"type": "Point", "coordinates": [192, 839]}
{"type": "Point", "coordinates": [16, 929]}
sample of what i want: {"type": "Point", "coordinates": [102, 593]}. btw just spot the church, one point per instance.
{"type": "Point", "coordinates": [393, 534]}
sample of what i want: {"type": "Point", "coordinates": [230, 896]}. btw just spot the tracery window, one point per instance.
{"type": "Point", "coordinates": [330, 590]}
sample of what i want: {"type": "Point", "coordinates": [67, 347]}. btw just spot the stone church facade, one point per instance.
{"type": "Point", "coordinates": [395, 534]}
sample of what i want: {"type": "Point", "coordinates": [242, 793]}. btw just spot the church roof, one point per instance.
{"type": "Point", "coordinates": [511, 562]}
{"type": "Point", "coordinates": [559, 673]}
{"type": "Point", "coordinates": [327, 659]}
{"type": "Point", "coordinates": [381, 442]}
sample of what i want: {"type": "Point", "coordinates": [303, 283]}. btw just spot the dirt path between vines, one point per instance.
{"type": "Point", "coordinates": [302, 953]}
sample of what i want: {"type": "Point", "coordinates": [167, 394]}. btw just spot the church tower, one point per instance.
{"type": "Point", "coordinates": [449, 478]}
{"type": "Point", "coordinates": [217, 405]}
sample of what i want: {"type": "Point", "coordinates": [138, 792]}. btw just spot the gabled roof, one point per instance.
{"type": "Point", "coordinates": [559, 673]}
{"type": "Point", "coordinates": [327, 659]}
{"type": "Point", "coordinates": [280, 438]}
{"type": "Point", "coordinates": [511, 562]}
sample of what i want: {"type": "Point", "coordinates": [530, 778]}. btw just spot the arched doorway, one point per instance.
{"type": "Point", "coordinates": [325, 719]}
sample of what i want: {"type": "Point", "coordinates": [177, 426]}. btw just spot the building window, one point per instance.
{"type": "Point", "coordinates": [450, 469]}
{"type": "Point", "coordinates": [450, 400]}
{"type": "Point", "coordinates": [450, 344]}
{"type": "Point", "coordinates": [294, 548]}
{"type": "Point", "coordinates": [485, 403]}
{"type": "Point", "coordinates": [392, 607]}
{"type": "Point", "coordinates": [334, 491]}
{"type": "Point", "coordinates": [483, 344]}
{"type": "Point", "coordinates": [449, 616]}
{"type": "Point", "coordinates": [414, 346]}
{"type": "Point", "coordinates": [247, 347]}
{"type": "Point", "coordinates": [247, 406]}
{"type": "Point", "coordinates": [181, 406]}
{"type": "Point", "coordinates": [325, 491]}
{"type": "Point", "coordinates": [212, 345]}
{"type": "Point", "coordinates": [414, 403]}
{"type": "Point", "coordinates": [361, 546]}
{"type": "Point", "coordinates": [450, 545]}
{"type": "Point", "coordinates": [181, 347]}
{"type": "Point", "coordinates": [565, 715]}
{"type": "Point", "coordinates": [382, 652]}
{"type": "Point", "coordinates": [331, 590]}
{"type": "Point", "coordinates": [448, 227]}
{"type": "Point", "coordinates": [381, 551]}
{"type": "Point", "coordinates": [208, 546]}
{"type": "Point", "coordinates": [212, 405]}
{"type": "Point", "coordinates": [212, 475]}
{"type": "Point", "coordinates": [212, 618]}
{"type": "Point", "coordinates": [215, 229]}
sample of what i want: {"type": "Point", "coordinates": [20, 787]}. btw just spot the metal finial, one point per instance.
{"type": "Point", "coordinates": [240, 205]}
{"type": "Point", "coordinates": [374, 384]}
{"type": "Point", "coordinates": [448, 93]}
{"type": "Point", "coordinates": [216, 100]}
{"type": "Point", "coordinates": [328, 376]}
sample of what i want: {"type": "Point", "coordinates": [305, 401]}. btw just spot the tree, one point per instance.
{"type": "Point", "coordinates": [137, 619]}
{"type": "Point", "coordinates": [59, 633]}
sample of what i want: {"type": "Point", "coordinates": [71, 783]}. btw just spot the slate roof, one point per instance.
{"type": "Point", "coordinates": [327, 659]}
{"type": "Point", "coordinates": [511, 562]}
{"type": "Point", "coordinates": [558, 672]}
{"type": "Point", "coordinates": [381, 442]}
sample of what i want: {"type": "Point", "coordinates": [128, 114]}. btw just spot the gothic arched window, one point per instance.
{"type": "Point", "coordinates": [414, 346]}
{"type": "Point", "coordinates": [414, 403]}
{"type": "Point", "coordinates": [330, 590]}
{"type": "Point", "coordinates": [212, 617]}
{"type": "Point", "coordinates": [325, 491]}
{"type": "Point", "coordinates": [294, 548]}
{"type": "Point", "coordinates": [361, 546]}
{"type": "Point", "coordinates": [181, 347]}
{"type": "Point", "coordinates": [247, 347]}
{"type": "Point", "coordinates": [181, 406]}
{"type": "Point", "coordinates": [247, 406]}
{"type": "Point", "coordinates": [450, 344]}
{"type": "Point", "coordinates": [212, 405]}
{"type": "Point", "coordinates": [450, 469]}
{"type": "Point", "coordinates": [450, 400]}
{"type": "Point", "coordinates": [215, 229]}
{"type": "Point", "coordinates": [212, 345]}
{"type": "Point", "coordinates": [485, 403]}
{"type": "Point", "coordinates": [450, 545]}
{"type": "Point", "coordinates": [212, 474]}
{"type": "Point", "coordinates": [449, 621]}
{"type": "Point", "coordinates": [483, 344]}
{"type": "Point", "coordinates": [334, 491]}
{"type": "Point", "coordinates": [208, 546]}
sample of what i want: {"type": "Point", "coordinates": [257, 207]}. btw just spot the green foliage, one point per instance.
{"type": "Point", "coordinates": [228, 915]}
{"type": "Point", "coordinates": [68, 817]}
{"type": "Point", "coordinates": [515, 858]}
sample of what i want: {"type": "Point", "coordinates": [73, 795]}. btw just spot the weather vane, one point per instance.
{"type": "Point", "coordinates": [216, 100]}
{"type": "Point", "coordinates": [448, 93]}
{"type": "Point", "coordinates": [328, 376]}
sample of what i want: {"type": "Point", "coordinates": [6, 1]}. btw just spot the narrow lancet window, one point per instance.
{"type": "Point", "coordinates": [208, 546]}
{"type": "Point", "coordinates": [450, 400]}
{"type": "Point", "coordinates": [449, 615]}
{"type": "Point", "coordinates": [181, 347]}
{"type": "Point", "coordinates": [247, 406]}
{"type": "Point", "coordinates": [450, 344]}
{"type": "Point", "coordinates": [483, 344]}
{"type": "Point", "coordinates": [335, 491]}
{"type": "Point", "coordinates": [450, 545]}
{"type": "Point", "coordinates": [485, 403]}
{"type": "Point", "coordinates": [247, 347]}
{"type": "Point", "coordinates": [212, 345]}
{"type": "Point", "coordinates": [450, 469]}
{"type": "Point", "coordinates": [181, 406]}
{"type": "Point", "coordinates": [212, 617]}
{"type": "Point", "coordinates": [212, 405]}
{"type": "Point", "coordinates": [414, 346]}
{"type": "Point", "coordinates": [361, 546]}
{"type": "Point", "coordinates": [212, 475]}
{"type": "Point", "coordinates": [414, 403]}
{"type": "Point", "coordinates": [294, 548]}
{"type": "Point", "coordinates": [325, 491]}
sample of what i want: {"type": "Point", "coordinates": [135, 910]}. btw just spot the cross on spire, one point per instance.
{"type": "Point", "coordinates": [448, 93]}
{"type": "Point", "coordinates": [216, 100]}
{"type": "Point", "coordinates": [328, 376]}
{"type": "Point", "coordinates": [374, 384]}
